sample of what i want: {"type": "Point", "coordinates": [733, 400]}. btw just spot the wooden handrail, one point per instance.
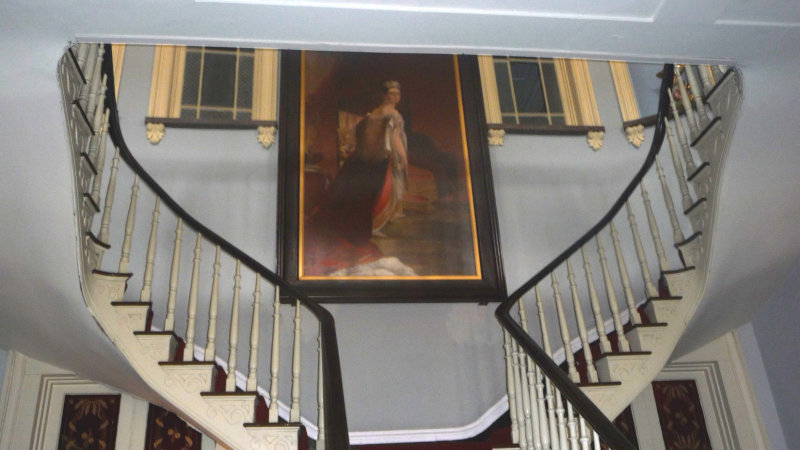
{"type": "Point", "coordinates": [588, 410]}
{"type": "Point", "coordinates": [335, 413]}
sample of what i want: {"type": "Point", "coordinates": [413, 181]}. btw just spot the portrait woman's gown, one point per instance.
{"type": "Point", "coordinates": [366, 194]}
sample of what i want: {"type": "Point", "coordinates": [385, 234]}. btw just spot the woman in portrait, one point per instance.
{"type": "Point", "coordinates": [366, 194]}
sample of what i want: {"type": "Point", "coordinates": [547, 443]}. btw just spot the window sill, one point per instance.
{"type": "Point", "coordinates": [223, 124]}
{"type": "Point", "coordinates": [554, 130]}
{"type": "Point", "coordinates": [156, 127]}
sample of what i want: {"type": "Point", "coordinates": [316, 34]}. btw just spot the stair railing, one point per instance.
{"type": "Point", "coordinates": [94, 118]}
{"type": "Point", "coordinates": [537, 383]}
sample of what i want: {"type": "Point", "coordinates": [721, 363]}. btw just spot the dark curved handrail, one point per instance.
{"type": "Point", "coordinates": [588, 410]}
{"type": "Point", "coordinates": [336, 432]}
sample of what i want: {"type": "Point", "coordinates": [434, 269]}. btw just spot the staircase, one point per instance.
{"type": "Point", "coordinates": [206, 389]}
{"type": "Point", "coordinates": [618, 344]}
{"type": "Point", "coordinates": [636, 318]}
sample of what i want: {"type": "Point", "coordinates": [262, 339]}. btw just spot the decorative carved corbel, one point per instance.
{"type": "Point", "coordinates": [155, 132]}
{"type": "Point", "coordinates": [266, 135]}
{"type": "Point", "coordinates": [595, 139]}
{"type": "Point", "coordinates": [496, 137]}
{"type": "Point", "coordinates": [635, 134]}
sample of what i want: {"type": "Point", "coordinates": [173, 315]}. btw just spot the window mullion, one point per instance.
{"type": "Point", "coordinates": [200, 81]}
{"type": "Point", "coordinates": [236, 84]}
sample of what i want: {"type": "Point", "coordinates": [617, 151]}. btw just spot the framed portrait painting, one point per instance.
{"type": "Point", "coordinates": [385, 180]}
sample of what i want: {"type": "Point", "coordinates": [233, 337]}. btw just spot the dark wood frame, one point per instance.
{"type": "Point", "coordinates": [491, 287]}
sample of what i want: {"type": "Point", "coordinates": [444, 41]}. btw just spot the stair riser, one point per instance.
{"type": "Point", "coordinates": [681, 283]}
{"type": "Point", "coordinates": [645, 338]}
{"type": "Point", "coordinates": [192, 379]}
{"type": "Point", "coordinates": [159, 347]}
{"type": "Point", "coordinates": [692, 251]}
{"type": "Point", "coordinates": [622, 367]}
{"type": "Point", "coordinates": [235, 410]}
{"type": "Point", "coordinates": [274, 438]}
{"type": "Point", "coordinates": [666, 311]}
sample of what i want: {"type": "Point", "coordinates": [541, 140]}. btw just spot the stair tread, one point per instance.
{"type": "Point", "coordinates": [644, 353]}
{"type": "Point", "coordinates": [666, 297]}
{"type": "Point", "coordinates": [272, 425]}
{"type": "Point", "coordinates": [155, 333]}
{"type": "Point", "coordinates": [95, 206]}
{"type": "Point", "coordinates": [186, 363]}
{"type": "Point", "coordinates": [705, 131]}
{"type": "Point", "coordinates": [685, 269]}
{"type": "Point", "coordinates": [97, 240]}
{"type": "Point", "coordinates": [697, 203]}
{"type": "Point", "coordinates": [229, 394]}
{"type": "Point", "coordinates": [128, 303]}
{"type": "Point", "coordinates": [113, 274]}
{"type": "Point", "coordinates": [600, 384]}
{"type": "Point", "coordinates": [694, 236]}
{"type": "Point", "coordinates": [697, 171]}
{"type": "Point", "coordinates": [718, 83]}
{"type": "Point", "coordinates": [648, 325]}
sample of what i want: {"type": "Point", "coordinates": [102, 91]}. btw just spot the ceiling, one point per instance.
{"type": "Point", "coordinates": [756, 239]}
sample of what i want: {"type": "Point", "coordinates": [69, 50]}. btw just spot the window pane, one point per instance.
{"type": "Point", "coordinates": [243, 115]}
{"type": "Point", "coordinates": [211, 114]}
{"type": "Point", "coordinates": [528, 87]}
{"type": "Point", "coordinates": [510, 119]}
{"type": "Point", "coordinates": [534, 120]}
{"type": "Point", "coordinates": [504, 87]}
{"type": "Point", "coordinates": [244, 97]}
{"type": "Point", "coordinates": [219, 73]}
{"type": "Point", "coordinates": [188, 113]}
{"type": "Point", "coordinates": [558, 120]}
{"type": "Point", "coordinates": [551, 84]}
{"type": "Point", "coordinates": [191, 78]}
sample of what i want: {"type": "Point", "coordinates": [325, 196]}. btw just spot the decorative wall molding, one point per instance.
{"type": "Point", "coordinates": [118, 54]}
{"type": "Point", "coordinates": [626, 98]}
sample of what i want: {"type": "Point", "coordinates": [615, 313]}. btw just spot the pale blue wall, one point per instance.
{"type": "Point", "coordinates": [777, 332]}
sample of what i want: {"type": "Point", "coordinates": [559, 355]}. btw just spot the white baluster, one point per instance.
{"type": "Point", "coordinates": [549, 431]}
{"type": "Point", "coordinates": [572, 427]}
{"type": "Point", "coordinates": [605, 345]}
{"type": "Point", "coordinates": [626, 281]}
{"type": "Point", "coordinates": [100, 159]}
{"type": "Point", "coordinates": [562, 322]}
{"type": "Point", "coordinates": [83, 52]}
{"type": "Point", "coordinates": [686, 199]}
{"type": "Point", "coordinates": [705, 75]}
{"type": "Point", "coordinates": [97, 121]}
{"type": "Point", "coordinates": [611, 294]}
{"type": "Point", "coordinates": [233, 339]}
{"type": "Point", "coordinates": [511, 387]}
{"type": "Point", "coordinates": [523, 406]}
{"type": "Point", "coordinates": [213, 304]}
{"type": "Point", "coordinates": [188, 350]}
{"type": "Point", "coordinates": [110, 190]}
{"type": "Point", "coordinates": [320, 394]}
{"type": "Point", "coordinates": [88, 73]}
{"type": "Point", "coordinates": [147, 282]}
{"type": "Point", "coordinates": [682, 139]}
{"type": "Point", "coordinates": [691, 119]}
{"type": "Point", "coordinates": [169, 321]}
{"type": "Point", "coordinates": [651, 220]}
{"type": "Point", "coordinates": [579, 320]}
{"type": "Point", "coordinates": [697, 92]}
{"type": "Point", "coordinates": [650, 288]}
{"type": "Point", "coordinates": [94, 86]}
{"type": "Point", "coordinates": [294, 412]}
{"type": "Point", "coordinates": [586, 438]}
{"type": "Point", "coordinates": [677, 234]}
{"type": "Point", "coordinates": [563, 433]}
{"type": "Point", "coordinates": [251, 375]}
{"type": "Point", "coordinates": [533, 382]}
{"type": "Point", "coordinates": [126, 243]}
{"type": "Point", "coordinates": [596, 440]}
{"type": "Point", "coordinates": [276, 356]}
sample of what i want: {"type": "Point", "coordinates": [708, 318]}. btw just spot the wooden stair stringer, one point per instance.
{"type": "Point", "coordinates": [181, 389]}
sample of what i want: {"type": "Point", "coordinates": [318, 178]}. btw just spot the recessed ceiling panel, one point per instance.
{"type": "Point", "coordinates": [625, 10]}
{"type": "Point", "coordinates": [778, 14]}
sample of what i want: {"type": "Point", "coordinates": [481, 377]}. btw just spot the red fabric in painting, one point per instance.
{"type": "Point", "coordinates": [681, 416]}
{"type": "Point", "coordinates": [89, 422]}
{"type": "Point", "coordinates": [166, 431]}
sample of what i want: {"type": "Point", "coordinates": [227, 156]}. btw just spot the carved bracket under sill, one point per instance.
{"type": "Point", "coordinates": [594, 133]}
{"type": "Point", "coordinates": [155, 127]}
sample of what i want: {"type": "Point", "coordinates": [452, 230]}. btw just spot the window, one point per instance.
{"type": "Point", "coordinates": [539, 95]}
{"type": "Point", "coordinates": [213, 87]}
{"type": "Point", "coordinates": [217, 83]}
{"type": "Point", "coordinates": [528, 91]}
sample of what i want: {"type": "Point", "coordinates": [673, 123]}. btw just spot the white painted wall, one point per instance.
{"type": "Point", "coordinates": [776, 332]}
